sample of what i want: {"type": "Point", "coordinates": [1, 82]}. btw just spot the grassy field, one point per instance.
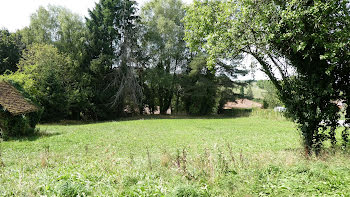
{"type": "Point", "coordinates": [250, 156]}
{"type": "Point", "coordinates": [258, 93]}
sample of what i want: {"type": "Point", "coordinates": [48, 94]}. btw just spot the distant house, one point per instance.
{"type": "Point", "coordinates": [13, 101]}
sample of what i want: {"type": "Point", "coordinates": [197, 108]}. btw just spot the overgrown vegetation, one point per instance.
{"type": "Point", "coordinates": [15, 126]}
{"type": "Point", "coordinates": [19, 124]}
{"type": "Point", "coordinates": [10, 50]}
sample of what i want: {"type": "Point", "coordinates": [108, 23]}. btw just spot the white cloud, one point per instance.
{"type": "Point", "coordinates": [15, 14]}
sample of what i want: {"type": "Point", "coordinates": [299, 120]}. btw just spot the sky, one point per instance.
{"type": "Point", "coordinates": [15, 14]}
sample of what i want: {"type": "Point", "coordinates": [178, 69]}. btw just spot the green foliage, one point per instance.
{"type": "Point", "coordinates": [158, 90]}
{"type": "Point", "coordinates": [270, 97]}
{"type": "Point", "coordinates": [16, 126]}
{"type": "Point", "coordinates": [264, 84]}
{"type": "Point", "coordinates": [10, 50]}
{"type": "Point", "coordinates": [200, 89]}
{"type": "Point", "coordinates": [59, 27]}
{"type": "Point", "coordinates": [207, 91]}
{"type": "Point", "coordinates": [113, 54]}
{"type": "Point", "coordinates": [302, 42]}
{"type": "Point", "coordinates": [116, 63]}
{"type": "Point", "coordinates": [250, 92]}
{"type": "Point", "coordinates": [188, 191]}
{"type": "Point", "coordinates": [19, 125]}
{"type": "Point", "coordinates": [164, 48]}
{"type": "Point", "coordinates": [241, 91]}
{"type": "Point", "coordinates": [68, 188]}
{"type": "Point", "coordinates": [46, 75]}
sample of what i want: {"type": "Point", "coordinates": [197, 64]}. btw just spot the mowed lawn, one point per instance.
{"type": "Point", "coordinates": [249, 156]}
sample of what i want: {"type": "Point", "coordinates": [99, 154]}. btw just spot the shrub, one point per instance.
{"type": "Point", "coordinates": [46, 75]}
{"type": "Point", "coordinates": [20, 125]}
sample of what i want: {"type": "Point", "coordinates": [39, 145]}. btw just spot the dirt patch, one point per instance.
{"type": "Point", "coordinates": [242, 104]}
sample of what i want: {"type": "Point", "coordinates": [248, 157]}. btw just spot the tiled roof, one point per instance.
{"type": "Point", "coordinates": [13, 101]}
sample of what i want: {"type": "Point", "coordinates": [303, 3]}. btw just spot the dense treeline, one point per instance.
{"type": "Point", "coordinates": [116, 62]}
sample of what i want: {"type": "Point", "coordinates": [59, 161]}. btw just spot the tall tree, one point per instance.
{"type": "Point", "coordinates": [200, 88]}
{"type": "Point", "coordinates": [164, 45]}
{"type": "Point", "coordinates": [301, 45]}
{"type": "Point", "coordinates": [58, 26]}
{"type": "Point", "coordinates": [66, 31]}
{"type": "Point", "coordinates": [10, 50]}
{"type": "Point", "coordinates": [206, 91]}
{"type": "Point", "coordinates": [113, 54]}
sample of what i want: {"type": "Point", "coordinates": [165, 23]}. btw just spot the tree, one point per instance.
{"type": "Point", "coordinates": [10, 50]}
{"type": "Point", "coordinates": [164, 45]}
{"type": "Point", "coordinates": [200, 89]}
{"type": "Point", "coordinates": [306, 42]}
{"type": "Point", "coordinates": [207, 91]}
{"type": "Point", "coordinates": [57, 26]}
{"type": "Point", "coordinates": [45, 74]}
{"type": "Point", "coordinates": [241, 91]}
{"type": "Point", "coordinates": [66, 31]}
{"type": "Point", "coordinates": [113, 54]}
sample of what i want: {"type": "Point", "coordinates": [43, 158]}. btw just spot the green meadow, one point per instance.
{"type": "Point", "coordinates": [171, 156]}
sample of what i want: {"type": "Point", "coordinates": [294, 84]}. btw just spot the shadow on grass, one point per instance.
{"type": "Point", "coordinates": [226, 114]}
{"type": "Point", "coordinates": [38, 134]}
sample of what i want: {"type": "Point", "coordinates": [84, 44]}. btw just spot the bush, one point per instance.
{"type": "Point", "coordinates": [20, 125]}
{"type": "Point", "coordinates": [270, 99]}
{"type": "Point", "coordinates": [46, 75]}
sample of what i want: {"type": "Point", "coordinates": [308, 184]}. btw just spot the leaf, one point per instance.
{"type": "Point", "coordinates": [301, 46]}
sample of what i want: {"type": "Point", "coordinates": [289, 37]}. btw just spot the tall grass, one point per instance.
{"type": "Point", "coordinates": [268, 114]}
{"type": "Point", "coordinates": [255, 112]}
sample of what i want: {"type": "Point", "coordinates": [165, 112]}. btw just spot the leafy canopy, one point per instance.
{"type": "Point", "coordinates": [302, 46]}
